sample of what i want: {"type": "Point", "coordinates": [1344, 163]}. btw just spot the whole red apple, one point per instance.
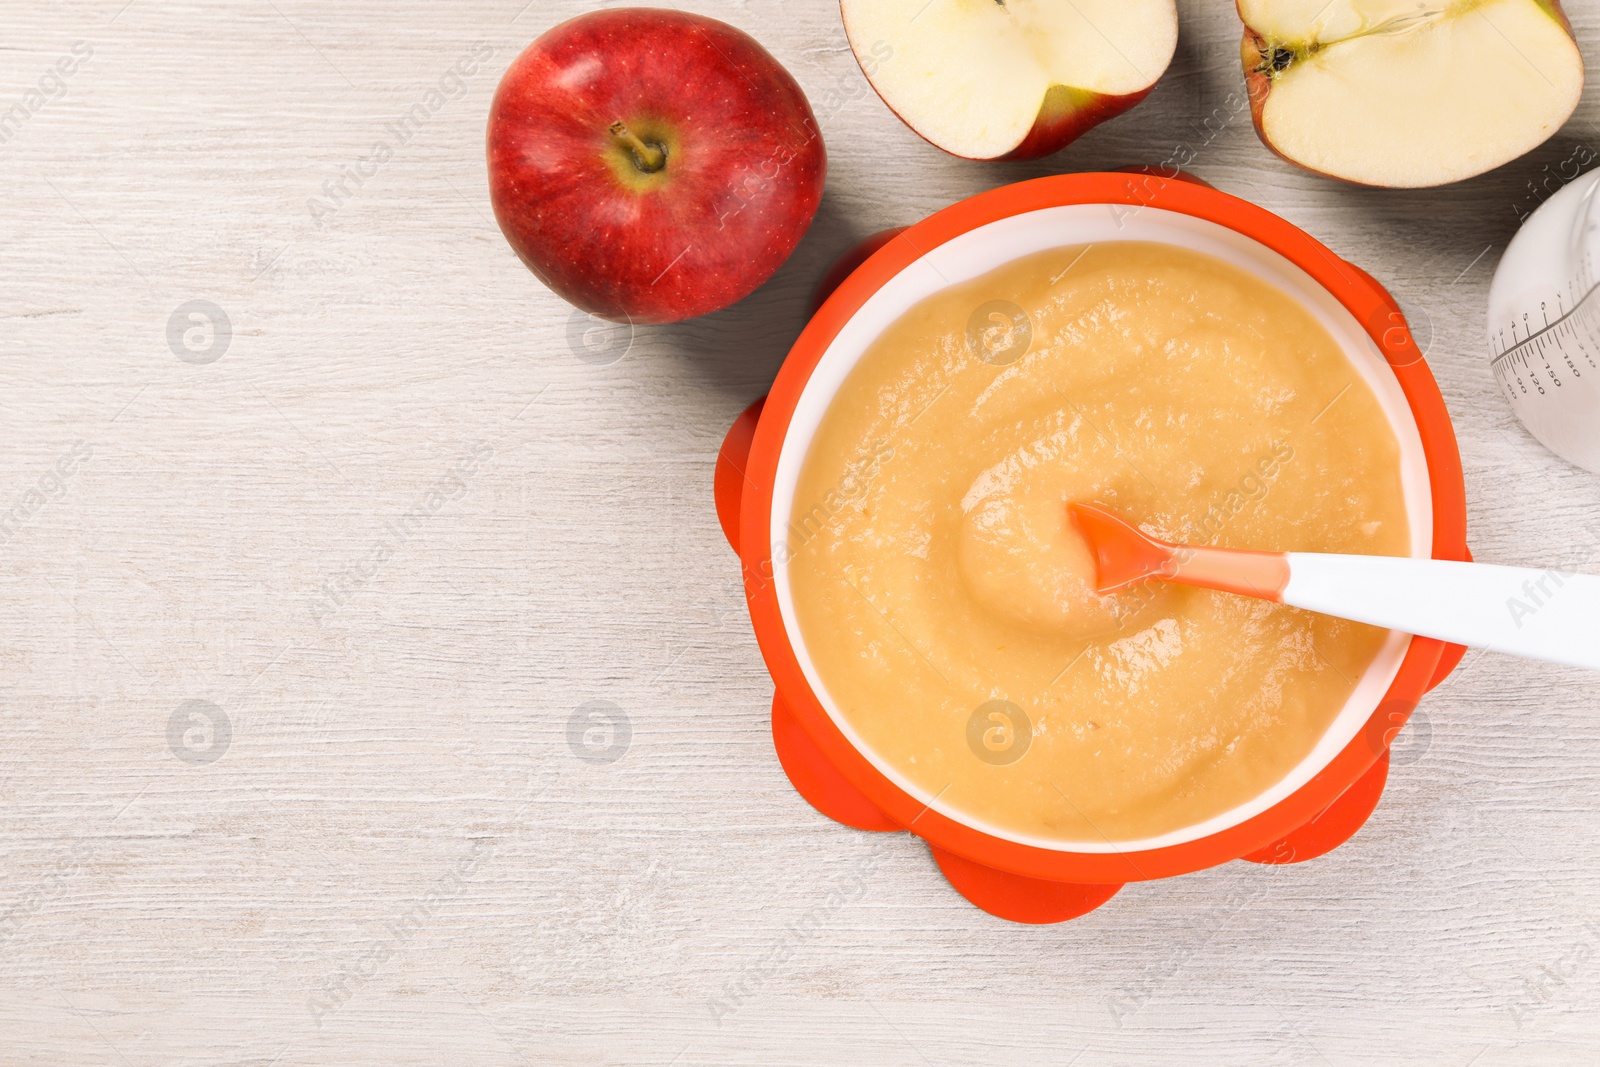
{"type": "Point", "coordinates": [652, 165]}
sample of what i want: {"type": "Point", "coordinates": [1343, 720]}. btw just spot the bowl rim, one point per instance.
{"type": "Point", "coordinates": [1353, 288]}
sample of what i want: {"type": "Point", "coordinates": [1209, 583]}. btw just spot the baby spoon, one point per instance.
{"type": "Point", "coordinates": [1545, 615]}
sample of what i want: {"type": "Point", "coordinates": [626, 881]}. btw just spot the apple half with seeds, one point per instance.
{"type": "Point", "coordinates": [1407, 93]}
{"type": "Point", "coordinates": [1010, 79]}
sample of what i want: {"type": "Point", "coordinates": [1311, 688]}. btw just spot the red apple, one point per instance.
{"type": "Point", "coordinates": [651, 165]}
{"type": "Point", "coordinates": [1404, 94]}
{"type": "Point", "coordinates": [1010, 79]}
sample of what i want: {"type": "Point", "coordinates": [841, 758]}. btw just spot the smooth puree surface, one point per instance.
{"type": "Point", "coordinates": [948, 604]}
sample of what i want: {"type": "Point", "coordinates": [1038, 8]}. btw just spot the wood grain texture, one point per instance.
{"type": "Point", "coordinates": [397, 859]}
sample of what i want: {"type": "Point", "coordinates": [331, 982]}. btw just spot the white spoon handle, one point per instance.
{"type": "Point", "coordinates": [1545, 615]}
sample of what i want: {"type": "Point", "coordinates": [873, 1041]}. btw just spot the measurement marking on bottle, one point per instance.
{"type": "Point", "coordinates": [1552, 353]}
{"type": "Point", "coordinates": [1564, 319]}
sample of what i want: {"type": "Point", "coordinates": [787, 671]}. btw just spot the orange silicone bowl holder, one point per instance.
{"type": "Point", "coordinates": [1020, 882]}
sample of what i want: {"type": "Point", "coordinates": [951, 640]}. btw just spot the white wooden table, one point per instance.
{"type": "Point", "coordinates": [391, 855]}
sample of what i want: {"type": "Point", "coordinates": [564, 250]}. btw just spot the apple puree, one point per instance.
{"type": "Point", "coordinates": [949, 605]}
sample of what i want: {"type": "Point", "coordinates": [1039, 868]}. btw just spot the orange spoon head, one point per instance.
{"type": "Point", "coordinates": [1123, 554]}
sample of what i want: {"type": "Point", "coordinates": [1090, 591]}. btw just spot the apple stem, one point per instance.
{"type": "Point", "coordinates": [648, 157]}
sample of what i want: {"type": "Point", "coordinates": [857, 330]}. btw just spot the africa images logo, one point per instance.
{"type": "Point", "coordinates": [452, 85]}
{"type": "Point", "coordinates": [337, 590]}
{"type": "Point", "coordinates": [51, 86]}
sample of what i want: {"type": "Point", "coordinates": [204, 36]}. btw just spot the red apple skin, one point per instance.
{"type": "Point", "coordinates": [1065, 115]}
{"type": "Point", "coordinates": [744, 171]}
{"type": "Point", "coordinates": [1068, 114]}
{"type": "Point", "coordinates": [1258, 87]}
{"type": "Point", "coordinates": [1554, 10]}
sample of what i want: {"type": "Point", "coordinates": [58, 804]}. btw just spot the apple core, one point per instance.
{"type": "Point", "coordinates": [648, 156]}
{"type": "Point", "coordinates": [1403, 94]}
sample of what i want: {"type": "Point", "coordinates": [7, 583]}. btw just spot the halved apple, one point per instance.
{"type": "Point", "coordinates": [1010, 79]}
{"type": "Point", "coordinates": [1408, 93]}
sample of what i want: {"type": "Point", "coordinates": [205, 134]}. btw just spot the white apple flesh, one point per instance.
{"type": "Point", "coordinates": [1404, 94]}
{"type": "Point", "coordinates": [1010, 79]}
